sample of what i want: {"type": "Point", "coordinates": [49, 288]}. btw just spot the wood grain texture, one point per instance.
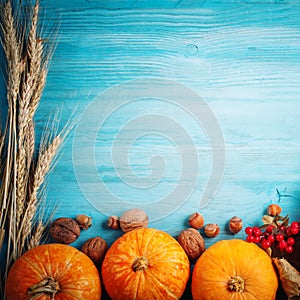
{"type": "Point", "coordinates": [241, 57]}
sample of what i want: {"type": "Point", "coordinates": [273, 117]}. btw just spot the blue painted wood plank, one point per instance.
{"type": "Point", "coordinates": [241, 58]}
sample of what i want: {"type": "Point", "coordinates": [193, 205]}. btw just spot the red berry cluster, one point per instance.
{"type": "Point", "coordinates": [281, 236]}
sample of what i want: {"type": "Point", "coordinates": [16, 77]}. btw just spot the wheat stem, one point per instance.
{"type": "Point", "coordinates": [22, 177]}
{"type": "Point", "coordinates": [12, 50]}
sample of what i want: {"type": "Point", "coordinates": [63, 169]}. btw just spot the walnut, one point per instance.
{"type": "Point", "coordinates": [64, 230]}
{"type": "Point", "coordinates": [133, 219]}
{"type": "Point", "coordinates": [95, 248]}
{"type": "Point", "coordinates": [192, 243]}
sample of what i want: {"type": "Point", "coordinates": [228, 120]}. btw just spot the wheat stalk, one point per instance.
{"type": "Point", "coordinates": [22, 177]}
{"type": "Point", "coordinates": [27, 67]}
{"type": "Point", "coordinates": [29, 143]}
{"type": "Point", "coordinates": [44, 163]}
{"type": "Point", "coordinates": [43, 166]}
{"type": "Point", "coordinates": [12, 49]}
{"type": "Point", "coordinates": [36, 236]}
{"type": "Point", "coordinates": [37, 93]}
{"type": "Point", "coordinates": [34, 52]}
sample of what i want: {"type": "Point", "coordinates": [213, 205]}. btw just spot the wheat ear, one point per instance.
{"type": "Point", "coordinates": [29, 143]}
{"type": "Point", "coordinates": [38, 92]}
{"type": "Point", "coordinates": [34, 51]}
{"type": "Point", "coordinates": [44, 163]}
{"type": "Point", "coordinates": [37, 235]}
{"type": "Point", "coordinates": [12, 49]}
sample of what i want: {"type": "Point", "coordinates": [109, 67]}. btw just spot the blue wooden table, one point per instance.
{"type": "Point", "coordinates": [196, 97]}
{"type": "Point", "coordinates": [180, 106]}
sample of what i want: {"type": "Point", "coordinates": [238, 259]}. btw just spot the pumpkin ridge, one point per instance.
{"type": "Point", "coordinates": [207, 255]}
{"type": "Point", "coordinates": [66, 268]}
{"type": "Point", "coordinates": [161, 285]}
{"type": "Point", "coordinates": [255, 275]}
{"type": "Point", "coordinates": [166, 244]}
{"type": "Point", "coordinates": [129, 279]}
{"type": "Point", "coordinates": [71, 289]}
{"type": "Point", "coordinates": [247, 295]}
{"type": "Point", "coordinates": [173, 261]}
{"type": "Point", "coordinates": [158, 250]}
{"type": "Point", "coordinates": [28, 261]}
{"type": "Point", "coordinates": [234, 248]}
{"type": "Point", "coordinates": [256, 284]}
{"type": "Point", "coordinates": [249, 261]}
{"type": "Point", "coordinates": [242, 273]}
{"type": "Point", "coordinates": [145, 250]}
{"type": "Point", "coordinates": [138, 285]}
{"type": "Point", "coordinates": [24, 258]}
{"type": "Point", "coordinates": [50, 268]}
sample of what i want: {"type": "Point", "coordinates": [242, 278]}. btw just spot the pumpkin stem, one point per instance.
{"type": "Point", "coordinates": [140, 264]}
{"type": "Point", "coordinates": [236, 284]}
{"type": "Point", "coordinates": [47, 286]}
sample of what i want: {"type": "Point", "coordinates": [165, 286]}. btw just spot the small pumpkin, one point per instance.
{"type": "Point", "coordinates": [145, 264]}
{"type": "Point", "coordinates": [53, 271]}
{"type": "Point", "coordinates": [234, 269]}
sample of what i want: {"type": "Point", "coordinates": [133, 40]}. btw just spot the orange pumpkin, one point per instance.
{"type": "Point", "coordinates": [53, 271]}
{"type": "Point", "coordinates": [234, 269]}
{"type": "Point", "coordinates": [145, 264]}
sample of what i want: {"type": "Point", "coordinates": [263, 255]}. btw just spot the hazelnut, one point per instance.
{"type": "Point", "coordinates": [64, 230]}
{"type": "Point", "coordinates": [95, 248]}
{"type": "Point", "coordinates": [192, 243]}
{"type": "Point", "coordinates": [133, 219]}
{"type": "Point", "coordinates": [211, 230]}
{"type": "Point", "coordinates": [196, 220]}
{"type": "Point", "coordinates": [113, 222]}
{"type": "Point", "coordinates": [235, 224]}
{"type": "Point", "coordinates": [84, 221]}
{"type": "Point", "coordinates": [274, 210]}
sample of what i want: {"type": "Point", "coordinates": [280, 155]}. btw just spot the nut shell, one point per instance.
{"type": "Point", "coordinates": [113, 222]}
{"type": "Point", "coordinates": [64, 230]}
{"type": "Point", "coordinates": [84, 221]}
{"type": "Point", "coordinates": [274, 210]}
{"type": "Point", "coordinates": [133, 219]}
{"type": "Point", "coordinates": [196, 220]}
{"type": "Point", "coordinates": [211, 230]}
{"type": "Point", "coordinates": [192, 243]}
{"type": "Point", "coordinates": [235, 225]}
{"type": "Point", "coordinates": [95, 248]}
